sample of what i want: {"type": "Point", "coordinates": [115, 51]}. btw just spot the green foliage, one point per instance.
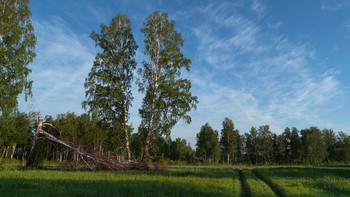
{"type": "Point", "coordinates": [251, 145]}
{"type": "Point", "coordinates": [265, 144]}
{"type": "Point", "coordinates": [330, 140]}
{"type": "Point", "coordinates": [7, 129]}
{"type": "Point", "coordinates": [37, 155]}
{"type": "Point", "coordinates": [115, 139]}
{"type": "Point", "coordinates": [279, 146]}
{"type": "Point", "coordinates": [207, 144]}
{"type": "Point", "coordinates": [159, 148]}
{"type": "Point", "coordinates": [136, 146]}
{"type": "Point", "coordinates": [229, 141]}
{"type": "Point", "coordinates": [314, 147]}
{"type": "Point", "coordinates": [295, 145]}
{"type": "Point", "coordinates": [17, 43]}
{"type": "Point", "coordinates": [343, 147]}
{"type": "Point", "coordinates": [2, 165]}
{"type": "Point", "coordinates": [108, 86]}
{"type": "Point", "coordinates": [84, 129]}
{"type": "Point", "coordinates": [311, 147]}
{"type": "Point", "coordinates": [181, 150]}
{"type": "Point", "coordinates": [109, 81]}
{"type": "Point", "coordinates": [167, 95]}
{"type": "Point", "coordinates": [15, 134]}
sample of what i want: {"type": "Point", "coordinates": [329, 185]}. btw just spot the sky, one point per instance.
{"type": "Point", "coordinates": [280, 63]}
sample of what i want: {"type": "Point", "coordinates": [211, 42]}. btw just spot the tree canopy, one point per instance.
{"type": "Point", "coordinates": [207, 144]}
{"type": "Point", "coordinates": [167, 95]}
{"type": "Point", "coordinates": [109, 82]}
{"type": "Point", "coordinates": [17, 43]}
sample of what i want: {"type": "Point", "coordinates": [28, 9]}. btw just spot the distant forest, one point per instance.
{"type": "Point", "coordinates": [258, 146]}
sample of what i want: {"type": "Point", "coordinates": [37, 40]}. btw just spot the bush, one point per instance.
{"type": "Point", "coordinates": [2, 165]}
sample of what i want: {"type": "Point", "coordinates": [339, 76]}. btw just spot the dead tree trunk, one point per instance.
{"type": "Point", "coordinates": [3, 153]}
{"type": "Point", "coordinates": [13, 150]}
{"type": "Point", "coordinates": [92, 159]}
{"type": "Point", "coordinates": [7, 151]}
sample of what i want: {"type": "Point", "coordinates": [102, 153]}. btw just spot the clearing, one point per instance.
{"type": "Point", "coordinates": [179, 181]}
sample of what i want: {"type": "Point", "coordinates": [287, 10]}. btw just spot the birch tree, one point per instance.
{"type": "Point", "coordinates": [108, 86]}
{"type": "Point", "coordinates": [17, 43]}
{"type": "Point", "coordinates": [167, 95]}
{"type": "Point", "coordinates": [229, 140]}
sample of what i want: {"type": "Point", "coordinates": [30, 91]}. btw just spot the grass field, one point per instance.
{"type": "Point", "coordinates": [307, 181]}
{"type": "Point", "coordinates": [179, 181]}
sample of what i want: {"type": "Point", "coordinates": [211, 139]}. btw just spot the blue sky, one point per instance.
{"type": "Point", "coordinates": [281, 63]}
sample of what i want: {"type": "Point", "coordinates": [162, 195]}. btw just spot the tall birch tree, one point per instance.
{"type": "Point", "coordinates": [17, 43]}
{"type": "Point", "coordinates": [167, 95]}
{"type": "Point", "coordinates": [108, 86]}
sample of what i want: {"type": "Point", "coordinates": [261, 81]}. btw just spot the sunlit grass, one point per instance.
{"type": "Point", "coordinates": [176, 182]}
{"type": "Point", "coordinates": [309, 181]}
{"type": "Point", "coordinates": [256, 186]}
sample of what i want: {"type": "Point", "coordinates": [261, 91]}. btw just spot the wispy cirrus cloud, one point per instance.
{"type": "Point", "coordinates": [258, 7]}
{"type": "Point", "coordinates": [334, 5]}
{"type": "Point", "coordinates": [224, 52]}
{"type": "Point", "coordinates": [261, 76]}
{"type": "Point", "coordinates": [243, 67]}
{"type": "Point", "coordinates": [59, 70]}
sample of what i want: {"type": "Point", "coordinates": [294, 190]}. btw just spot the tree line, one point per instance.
{"type": "Point", "coordinates": [261, 146]}
{"type": "Point", "coordinates": [86, 130]}
{"type": "Point", "coordinates": [258, 146]}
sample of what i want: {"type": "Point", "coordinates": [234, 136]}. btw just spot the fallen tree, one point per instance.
{"type": "Point", "coordinates": [90, 158]}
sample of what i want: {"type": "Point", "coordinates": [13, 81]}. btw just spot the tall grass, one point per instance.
{"type": "Point", "coordinates": [255, 186]}
{"type": "Point", "coordinates": [176, 182]}
{"type": "Point", "coordinates": [308, 181]}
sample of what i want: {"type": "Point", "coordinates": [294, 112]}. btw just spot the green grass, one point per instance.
{"type": "Point", "coordinates": [178, 181]}
{"type": "Point", "coordinates": [308, 181]}
{"type": "Point", "coordinates": [255, 186]}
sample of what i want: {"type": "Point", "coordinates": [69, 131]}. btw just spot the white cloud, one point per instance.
{"type": "Point", "coordinates": [243, 69]}
{"type": "Point", "coordinates": [274, 80]}
{"type": "Point", "coordinates": [63, 60]}
{"type": "Point", "coordinates": [334, 5]}
{"type": "Point", "coordinates": [258, 7]}
{"type": "Point", "coordinates": [224, 52]}
{"type": "Point", "coordinates": [347, 25]}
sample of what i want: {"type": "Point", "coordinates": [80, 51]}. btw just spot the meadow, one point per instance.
{"type": "Point", "coordinates": [179, 181]}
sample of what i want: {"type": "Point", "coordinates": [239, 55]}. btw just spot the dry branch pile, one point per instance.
{"type": "Point", "coordinates": [92, 159]}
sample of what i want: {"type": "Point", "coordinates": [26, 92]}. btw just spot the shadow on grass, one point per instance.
{"type": "Point", "coordinates": [323, 179]}
{"type": "Point", "coordinates": [308, 172]}
{"type": "Point", "coordinates": [244, 185]}
{"type": "Point", "coordinates": [195, 172]}
{"type": "Point", "coordinates": [25, 168]}
{"type": "Point", "coordinates": [335, 166]}
{"type": "Point", "coordinates": [38, 187]}
{"type": "Point", "coordinates": [177, 172]}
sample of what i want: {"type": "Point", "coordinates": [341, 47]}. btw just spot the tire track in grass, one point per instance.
{"type": "Point", "coordinates": [244, 185]}
{"type": "Point", "coordinates": [269, 183]}
{"type": "Point", "coordinates": [256, 186]}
